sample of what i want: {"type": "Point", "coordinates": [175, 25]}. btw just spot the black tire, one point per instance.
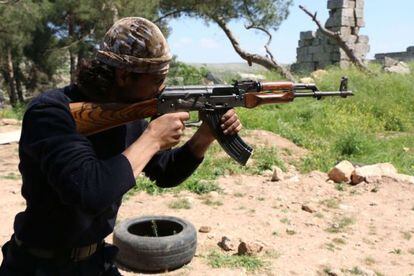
{"type": "Point", "coordinates": [143, 251]}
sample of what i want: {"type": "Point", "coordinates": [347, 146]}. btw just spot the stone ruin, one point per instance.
{"type": "Point", "coordinates": [400, 56]}
{"type": "Point", "coordinates": [316, 51]}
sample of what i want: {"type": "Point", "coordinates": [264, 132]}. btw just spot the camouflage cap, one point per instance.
{"type": "Point", "coordinates": [137, 45]}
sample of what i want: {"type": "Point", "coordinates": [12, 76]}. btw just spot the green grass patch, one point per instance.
{"type": "Point", "coordinates": [332, 203]}
{"type": "Point", "coordinates": [330, 246]}
{"type": "Point", "coordinates": [406, 235]}
{"type": "Point", "coordinates": [369, 261]}
{"type": "Point", "coordinates": [340, 225]}
{"type": "Point", "coordinates": [340, 186]}
{"type": "Point", "coordinates": [339, 241]}
{"type": "Point", "coordinates": [11, 176]}
{"type": "Point", "coordinates": [203, 180]}
{"type": "Point", "coordinates": [181, 203]}
{"type": "Point", "coordinates": [285, 221]}
{"type": "Point", "coordinates": [290, 232]}
{"type": "Point", "coordinates": [211, 202]}
{"type": "Point", "coordinates": [396, 251]}
{"type": "Point", "coordinates": [250, 263]}
{"type": "Point", "coordinates": [356, 271]}
{"type": "Point", "coordinates": [373, 126]}
{"type": "Point", "coordinates": [13, 112]}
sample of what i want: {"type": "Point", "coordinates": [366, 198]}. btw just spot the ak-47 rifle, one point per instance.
{"type": "Point", "coordinates": [211, 101]}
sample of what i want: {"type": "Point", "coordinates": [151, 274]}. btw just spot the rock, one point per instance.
{"type": "Point", "coordinates": [249, 249]}
{"type": "Point", "coordinates": [307, 80]}
{"type": "Point", "coordinates": [255, 77]}
{"type": "Point", "coordinates": [213, 78]}
{"type": "Point", "coordinates": [318, 74]}
{"type": "Point", "coordinates": [189, 199]}
{"type": "Point", "coordinates": [213, 194]}
{"type": "Point", "coordinates": [226, 244]}
{"type": "Point", "coordinates": [402, 69]}
{"type": "Point", "coordinates": [402, 178]}
{"type": "Point", "coordinates": [204, 229]}
{"type": "Point", "coordinates": [278, 174]}
{"type": "Point", "coordinates": [372, 173]}
{"type": "Point", "coordinates": [7, 121]}
{"type": "Point", "coordinates": [267, 173]}
{"type": "Point", "coordinates": [366, 272]}
{"type": "Point", "coordinates": [334, 272]}
{"type": "Point", "coordinates": [294, 179]}
{"type": "Point", "coordinates": [308, 208]}
{"type": "Point", "coordinates": [395, 66]}
{"type": "Point", "coordinates": [389, 62]}
{"type": "Point", "coordinates": [341, 172]}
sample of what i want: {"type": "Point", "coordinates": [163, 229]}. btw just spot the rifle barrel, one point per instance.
{"type": "Point", "coordinates": [318, 94]}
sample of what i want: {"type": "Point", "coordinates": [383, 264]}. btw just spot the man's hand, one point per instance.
{"type": "Point", "coordinates": [230, 122]}
{"type": "Point", "coordinates": [167, 129]}
{"type": "Point", "coordinates": [162, 133]}
{"type": "Point", "coordinates": [203, 138]}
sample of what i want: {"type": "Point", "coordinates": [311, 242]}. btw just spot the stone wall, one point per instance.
{"type": "Point", "coordinates": [401, 56]}
{"type": "Point", "coordinates": [316, 51]}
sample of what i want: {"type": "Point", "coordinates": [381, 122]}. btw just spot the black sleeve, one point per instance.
{"type": "Point", "coordinates": [171, 167]}
{"type": "Point", "coordinates": [69, 161]}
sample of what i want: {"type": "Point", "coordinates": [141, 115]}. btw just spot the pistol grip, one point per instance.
{"type": "Point", "coordinates": [233, 145]}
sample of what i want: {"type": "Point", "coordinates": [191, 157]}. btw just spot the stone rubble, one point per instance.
{"type": "Point", "coordinates": [345, 172]}
{"type": "Point", "coordinates": [341, 172]}
{"type": "Point", "coordinates": [249, 248]}
{"type": "Point", "coordinates": [227, 244]}
{"type": "Point", "coordinates": [395, 66]}
{"type": "Point", "coordinates": [316, 51]}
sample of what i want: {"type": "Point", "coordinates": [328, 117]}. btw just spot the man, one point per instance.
{"type": "Point", "coordinates": [73, 185]}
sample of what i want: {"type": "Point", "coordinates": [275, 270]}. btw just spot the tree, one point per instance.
{"type": "Point", "coordinates": [262, 15]}
{"type": "Point", "coordinates": [80, 25]}
{"type": "Point", "coordinates": [18, 21]}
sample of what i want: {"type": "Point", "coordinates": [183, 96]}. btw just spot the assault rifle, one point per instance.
{"type": "Point", "coordinates": [211, 101]}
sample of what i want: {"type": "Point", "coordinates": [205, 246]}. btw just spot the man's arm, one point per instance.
{"type": "Point", "coordinates": [69, 161]}
{"type": "Point", "coordinates": [162, 133]}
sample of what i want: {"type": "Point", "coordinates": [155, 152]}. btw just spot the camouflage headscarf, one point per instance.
{"type": "Point", "coordinates": [137, 45]}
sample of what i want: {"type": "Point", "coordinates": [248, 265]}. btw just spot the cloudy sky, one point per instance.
{"type": "Point", "coordinates": [389, 24]}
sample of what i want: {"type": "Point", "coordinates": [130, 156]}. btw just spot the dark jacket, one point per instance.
{"type": "Point", "coordinates": [73, 185]}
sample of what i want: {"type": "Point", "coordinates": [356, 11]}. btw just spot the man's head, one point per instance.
{"type": "Point", "coordinates": [135, 54]}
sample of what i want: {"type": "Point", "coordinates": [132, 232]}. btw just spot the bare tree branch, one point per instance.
{"type": "Point", "coordinates": [172, 13]}
{"type": "Point", "coordinates": [9, 1]}
{"type": "Point", "coordinates": [341, 43]}
{"type": "Point", "coordinates": [270, 64]}
{"type": "Point", "coordinates": [252, 26]}
{"type": "Point", "coordinates": [248, 27]}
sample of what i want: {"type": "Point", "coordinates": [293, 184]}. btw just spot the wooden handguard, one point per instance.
{"type": "Point", "coordinates": [276, 86]}
{"type": "Point", "coordinates": [255, 99]}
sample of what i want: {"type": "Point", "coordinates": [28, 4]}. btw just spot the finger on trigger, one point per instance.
{"type": "Point", "coordinates": [183, 116]}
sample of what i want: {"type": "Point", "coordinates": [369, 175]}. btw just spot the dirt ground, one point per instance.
{"type": "Point", "coordinates": [354, 230]}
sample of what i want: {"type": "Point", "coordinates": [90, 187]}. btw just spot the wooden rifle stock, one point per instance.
{"type": "Point", "coordinates": [92, 118]}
